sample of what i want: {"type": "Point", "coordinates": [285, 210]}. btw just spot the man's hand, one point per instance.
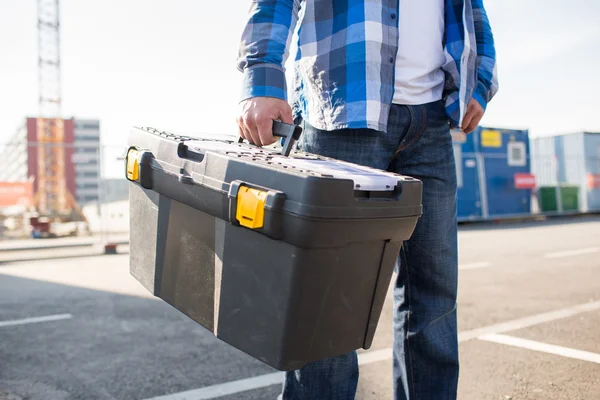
{"type": "Point", "coordinates": [255, 122]}
{"type": "Point", "coordinates": [472, 116]}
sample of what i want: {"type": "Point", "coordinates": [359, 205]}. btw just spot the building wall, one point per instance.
{"type": "Point", "coordinates": [19, 157]}
{"type": "Point", "coordinates": [33, 148]}
{"type": "Point", "coordinates": [86, 160]}
{"type": "Point", "coordinates": [69, 151]}
{"type": "Point", "coordinates": [32, 156]}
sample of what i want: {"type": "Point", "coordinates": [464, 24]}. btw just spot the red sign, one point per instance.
{"type": "Point", "coordinates": [524, 181]}
{"type": "Point", "coordinates": [593, 181]}
{"type": "Point", "coordinates": [16, 193]}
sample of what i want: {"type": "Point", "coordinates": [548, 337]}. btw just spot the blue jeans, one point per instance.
{"type": "Point", "coordinates": [425, 352]}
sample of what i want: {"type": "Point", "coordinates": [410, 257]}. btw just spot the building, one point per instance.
{"type": "Point", "coordinates": [86, 160]}
{"type": "Point", "coordinates": [22, 156]}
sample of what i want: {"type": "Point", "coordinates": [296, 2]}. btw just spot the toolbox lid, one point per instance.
{"type": "Point", "coordinates": [212, 174]}
{"type": "Point", "coordinates": [364, 178]}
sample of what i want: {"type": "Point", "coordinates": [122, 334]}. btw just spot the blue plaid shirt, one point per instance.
{"type": "Point", "coordinates": [346, 58]}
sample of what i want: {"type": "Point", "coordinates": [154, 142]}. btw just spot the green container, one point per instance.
{"type": "Point", "coordinates": [569, 197]}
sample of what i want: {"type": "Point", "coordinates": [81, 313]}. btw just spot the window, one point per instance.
{"type": "Point", "coordinates": [87, 174]}
{"type": "Point", "coordinates": [516, 154]}
{"type": "Point", "coordinates": [88, 138]}
{"type": "Point", "coordinates": [87, 150]}
{"type": "Point", "coordinates": [89, 126]}
{"type": "Point", "coordinates": [87, 199]}
{"type": "Point", "coordinates": [87, 186]}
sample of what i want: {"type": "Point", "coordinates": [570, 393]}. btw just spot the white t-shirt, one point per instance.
{"type": "Point", "coordinates": [419, 77]}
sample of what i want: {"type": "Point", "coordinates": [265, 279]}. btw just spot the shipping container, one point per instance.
{"type": "Point", "coordinates": [467, 174]}
{"type": "Point", "coordinates": [569, 166]}
{"type": "Point", "coordinates": [493, 172]}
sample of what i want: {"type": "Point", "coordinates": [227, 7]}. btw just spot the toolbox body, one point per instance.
{"type": "Point", "coordinates": [288, 259]}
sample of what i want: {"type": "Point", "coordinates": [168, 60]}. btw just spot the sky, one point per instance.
{"type": "Point", "coordinates": [171, 64]}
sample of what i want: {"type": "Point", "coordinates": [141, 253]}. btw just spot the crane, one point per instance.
{"type": "Point", "coordinates": [54, 202]}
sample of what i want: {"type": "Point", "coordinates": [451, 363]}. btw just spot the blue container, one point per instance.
{"type": "Point", "coordinates": [467, 173]}
{"type": "Point", "coordinates": [487, 161]}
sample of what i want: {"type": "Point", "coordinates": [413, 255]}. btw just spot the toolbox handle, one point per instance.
{"type": "Point", "coordinates": [289, 134]}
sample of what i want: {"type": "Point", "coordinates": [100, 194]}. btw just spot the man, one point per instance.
{"type": "Point", "coordinates": [380, 83]}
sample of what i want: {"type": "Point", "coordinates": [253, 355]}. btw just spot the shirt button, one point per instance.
{"type": "Point", "coordinates": [391, 59]}
{"type": "Point", "coordinates": [393, 16]}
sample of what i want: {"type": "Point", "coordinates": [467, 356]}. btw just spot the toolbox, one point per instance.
{"type": "Point", "coordinates": [285, 255]}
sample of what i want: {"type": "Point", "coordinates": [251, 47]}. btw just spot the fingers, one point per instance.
{"type": "Point", "coordinates": [265, 130]}
{"type": "Point", "coordinates": [472, 117]}
{"type": "Point", "coordinates": [264, 122]}
{"type": "Point", "coordinates": [252, 130]}
{"type": "Point", "coordinates": [255, 122]}
{"type": "Point", "coordinates": [285, 114]}
{"type": "Point", "coordinates": [241, 129]}
{"type": "Point", "coordinates": [247, 128]}
{"type": "Point", "coordinates": [244, 131]}
{"type": "Point", "coordinates": [468, 118]}
{"type": "Point", "coordinates": [474, 123]}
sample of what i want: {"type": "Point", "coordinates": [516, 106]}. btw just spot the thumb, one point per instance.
{"type": "Point", "coordinates": [285, 114]}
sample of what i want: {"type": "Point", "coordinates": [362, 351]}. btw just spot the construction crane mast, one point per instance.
{"type": "Point", "coordinates": [52, 196]}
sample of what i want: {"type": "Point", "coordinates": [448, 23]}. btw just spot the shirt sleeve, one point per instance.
{"type": "Point", "coordinates": [264, 47]}
{"type": "Point", "coordinates": [487, 75]}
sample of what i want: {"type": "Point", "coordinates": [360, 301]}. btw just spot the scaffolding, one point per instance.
{"type": "Point", "coordinates": [52, 197]}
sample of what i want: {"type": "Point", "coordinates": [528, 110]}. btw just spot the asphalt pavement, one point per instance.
{"type": "Point", "coordinates": [75, 325]}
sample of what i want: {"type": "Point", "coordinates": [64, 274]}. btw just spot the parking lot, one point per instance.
{"type": "Point", "coordinates": [75, 325]}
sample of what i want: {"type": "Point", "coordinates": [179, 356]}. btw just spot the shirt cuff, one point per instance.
{"type": "Point", "coordinates": [481, 95]}
{"type": "Point", "coordinates": [264, 80]}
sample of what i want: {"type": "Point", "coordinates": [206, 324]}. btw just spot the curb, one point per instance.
{"type": "Point", "coordinates": [49, 247]}
{"type": "Point", "coordinates": [528, 218]}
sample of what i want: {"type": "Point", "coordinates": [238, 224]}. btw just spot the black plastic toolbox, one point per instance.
{"type": "Point", "coordinates": [288, 259]}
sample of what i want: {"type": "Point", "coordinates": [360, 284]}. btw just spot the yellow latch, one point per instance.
{"type": "Point", "coordinates": [133, 165]}
{"type": "Point", "coordinates": [250, 211]}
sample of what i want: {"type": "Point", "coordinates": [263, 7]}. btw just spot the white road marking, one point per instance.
{"type": "Point", "coordinates": [475, 265]}
{"type": "Point", "coordinates": [35, 320]}
{"type": "Point", "coordinates": [529, 321]}
{"type": "Point", "coordinates": [242, 385]}
{"type": "Point", "coordinates": [227, 388]}
{"type": "Point", "coordinates": [541, 347]}
{"type": "Point", "coordinates": [570, 253]}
